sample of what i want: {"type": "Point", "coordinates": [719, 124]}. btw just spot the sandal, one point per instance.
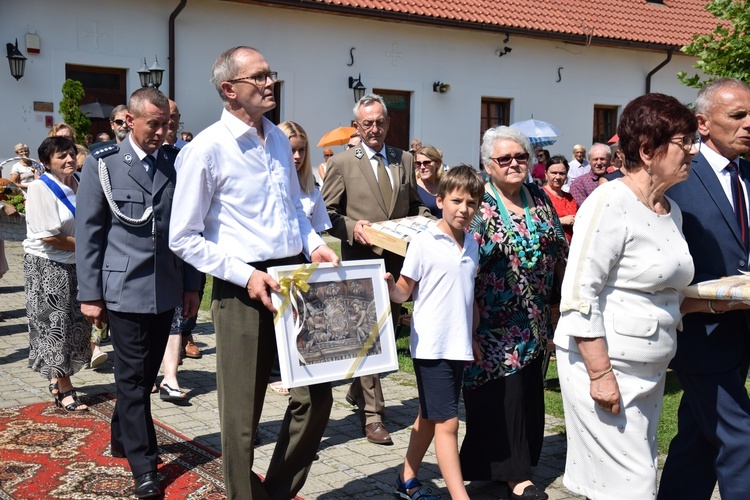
{"type": "Point", "coordinates": [278, 388]}
{"type": "Point", "coordinates": [53, 389]}
{"type": "Point", "coordinates": [74, 407]}
{"type": "Point", "coordinates": [421, 493]}
{"type": "Point", "coordinates": [98, 359]}
{"type": "Point", "coordinates": [166, 393]}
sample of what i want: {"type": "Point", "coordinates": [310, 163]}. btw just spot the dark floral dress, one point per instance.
{"type": "Point", "coordinates": [513, 301]}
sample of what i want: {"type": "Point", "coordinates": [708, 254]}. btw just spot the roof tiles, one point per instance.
{"type": "Point", "coordinates": [672, 23]}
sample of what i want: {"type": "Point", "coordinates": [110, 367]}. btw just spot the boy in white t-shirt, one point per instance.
{"type": "Point", "coordinates": [439, 269]}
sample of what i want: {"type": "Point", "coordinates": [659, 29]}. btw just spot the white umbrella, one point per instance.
{"type": "Point", "coordinates": [538, 132]}
{"type": "Point", "coordinates": [96, 110]}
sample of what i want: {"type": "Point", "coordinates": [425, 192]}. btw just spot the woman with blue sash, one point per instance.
{"type": "Point", "coordinates": [58, 333]}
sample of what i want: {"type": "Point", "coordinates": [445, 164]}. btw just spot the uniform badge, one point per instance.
{"type": "Point", "coordinates": [392, 153]}
{"type": "Point", "coordinates": [128, 158]}
{"type": "Point", "coordinates": [359, 153]}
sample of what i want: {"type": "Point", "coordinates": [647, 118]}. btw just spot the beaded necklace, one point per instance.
{"type": "Point", "coordinates": [527, 249]}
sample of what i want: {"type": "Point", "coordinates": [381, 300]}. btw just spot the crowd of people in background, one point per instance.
{"type": "Point", "coordinates": [122, 231]}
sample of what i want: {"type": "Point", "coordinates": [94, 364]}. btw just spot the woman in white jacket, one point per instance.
{"type": "Point", "coordinates": [621, 297]}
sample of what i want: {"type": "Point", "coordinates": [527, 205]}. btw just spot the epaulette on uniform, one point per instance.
{"type": "Point", "coordinates": [105, 151]}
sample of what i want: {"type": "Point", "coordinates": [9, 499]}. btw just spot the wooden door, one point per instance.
{"type": "Point", "coordinates": [398, 103]}
{"type": "Point", "coordinates": [105, 85]}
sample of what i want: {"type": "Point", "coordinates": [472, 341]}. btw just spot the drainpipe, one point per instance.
{"type": "Point", "coordinates": [172, 17]}
{"type": "Point", "coordinates": [648, 77]}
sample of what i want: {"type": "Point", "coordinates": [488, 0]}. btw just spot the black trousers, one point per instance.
{"type": "Point", "coordinates": [139, 341]}
{"type": "Point", "coordinates": [713, 438]}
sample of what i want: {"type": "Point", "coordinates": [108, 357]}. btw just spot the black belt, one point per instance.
{"type": "Point", "coordinates": [285, 261]}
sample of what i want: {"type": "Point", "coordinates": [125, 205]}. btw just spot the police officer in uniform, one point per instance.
{"type": "Point", "coordinates": [127, 275]}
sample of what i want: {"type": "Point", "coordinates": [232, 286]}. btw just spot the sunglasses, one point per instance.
{"type": "Point", "coordinates": [505, 161]}
{"type": "Point", "coordinates": [426, 163]}
{"type": "Point", "coordinates": [119, 123]}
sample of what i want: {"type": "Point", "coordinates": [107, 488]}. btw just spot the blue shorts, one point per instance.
{"type": "Point", "coordinates": [439, 384]}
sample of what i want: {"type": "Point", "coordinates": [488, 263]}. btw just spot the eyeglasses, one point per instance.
{"type": "Point", "coordinates": [367, 125]}
{"type": "Point", "coordinates": [258, 78]}
{"type": "Point", "coordinates": [426, 163]}
{"type": "Point", "coordinates": [686, 142]}
{"type": "Point", "coordinates": [119, 123]}
{"type": "Point", "coordinates": [505, 161]}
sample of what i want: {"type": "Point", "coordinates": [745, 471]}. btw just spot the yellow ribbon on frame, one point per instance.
{"type": "Point", "coordinates": [298, 279]}
{"type": "Point", "coordinates": [374, 334]}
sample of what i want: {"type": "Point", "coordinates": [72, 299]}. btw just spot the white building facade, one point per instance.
{"type": "Point", "coordinates": [315, 53]}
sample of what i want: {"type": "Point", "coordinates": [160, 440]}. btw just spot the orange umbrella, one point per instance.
{"type": "Point", "coordinates": [336, 137]}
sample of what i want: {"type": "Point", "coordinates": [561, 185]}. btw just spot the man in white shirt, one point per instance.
{"type": "Point", "coordinates": [579, 165]}
{"type": "Point", "coordinates": [237, 211]}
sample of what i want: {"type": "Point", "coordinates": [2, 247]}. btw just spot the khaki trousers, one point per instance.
{"type": "Point", "coordinates": [245, 350]}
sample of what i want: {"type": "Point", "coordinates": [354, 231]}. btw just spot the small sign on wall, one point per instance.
{"type": "Point", "coordinates": [43, 106]}
{"type": "Point", "coordinates": [48, 121]}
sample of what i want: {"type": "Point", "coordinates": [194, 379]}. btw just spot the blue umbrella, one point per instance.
{"type": "Point", "coordinates": [538, 132]}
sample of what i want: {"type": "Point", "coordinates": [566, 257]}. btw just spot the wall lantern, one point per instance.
{"type": "Point", "coordinates": [356, 85]}
{"type": "Point", "coordinates": [16, 60]}
{"type": "Point", "coordinates": [151, 77]}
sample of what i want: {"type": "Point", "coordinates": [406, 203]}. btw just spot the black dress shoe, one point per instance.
{"type": "Point", "coordinates": [531, 492]}
{"type": "Point", "coordinates": [147, 486]}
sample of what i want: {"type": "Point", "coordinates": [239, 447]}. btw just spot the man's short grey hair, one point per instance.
{"type": "Point", "coordinates": [367, 100]}
{"type": "Point", "coordinates": [142, 96]}
{"type": "Point", "coordinates": [116, 111]}
{"type": "Point", "coordinates": [502, 133]}
{"type": "Point", "coordinates": [225, 68]}
{"type": "Point", "coordinates": [707, 94]}
{"type": "Point", "coordinates": [607, 149]}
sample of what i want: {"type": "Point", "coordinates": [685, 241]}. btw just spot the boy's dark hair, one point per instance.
{"type": "Point", "coordinates": [462, 177]}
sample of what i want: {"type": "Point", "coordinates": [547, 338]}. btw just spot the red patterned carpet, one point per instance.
{"type": "Point", "coordinates": [47, 453]}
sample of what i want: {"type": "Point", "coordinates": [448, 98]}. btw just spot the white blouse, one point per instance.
{"type": "Point", "coordinates": [626, 271]}
{"type": "Point", "coordinates": [47, 216]}
{"type": "Point", "coordinates": [315, 210]}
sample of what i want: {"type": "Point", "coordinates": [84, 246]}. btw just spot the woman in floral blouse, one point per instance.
{"type": "Point", "coordinates": [522, 245]}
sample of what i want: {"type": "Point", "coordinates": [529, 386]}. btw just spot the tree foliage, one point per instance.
{"type": "Point", "coordinates": [72, 91]}
{"type": "Point", "coordinates": [725, 52]}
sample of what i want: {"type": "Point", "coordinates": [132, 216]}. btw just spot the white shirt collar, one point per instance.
{"type": "Point", "coordinates": [141, 153]}
{"type": "Point", "coordinates": [237, 128]}
{"type": "Point", "coordinates": [371, 152]}
{"type": "Point", "coordinates": [717, 161]}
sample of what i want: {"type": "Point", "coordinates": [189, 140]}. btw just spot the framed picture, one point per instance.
{"type": "Point", "coordinates": [333, 323]}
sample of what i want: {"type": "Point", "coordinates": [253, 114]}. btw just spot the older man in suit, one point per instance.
{"type": "Point", "coordinates": [370, 183]}
{"type": "Point", "coordinates": [127, 276]}
{"type": "Point", "coordinates": [713, 350]}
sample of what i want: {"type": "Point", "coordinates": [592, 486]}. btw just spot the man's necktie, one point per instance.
{"type": "Point", "coordinates": [740, 207]}
{"type": "Point", "coordinates": [149, 160]}
{"type": "Point", "coordinates": [384, 182]}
